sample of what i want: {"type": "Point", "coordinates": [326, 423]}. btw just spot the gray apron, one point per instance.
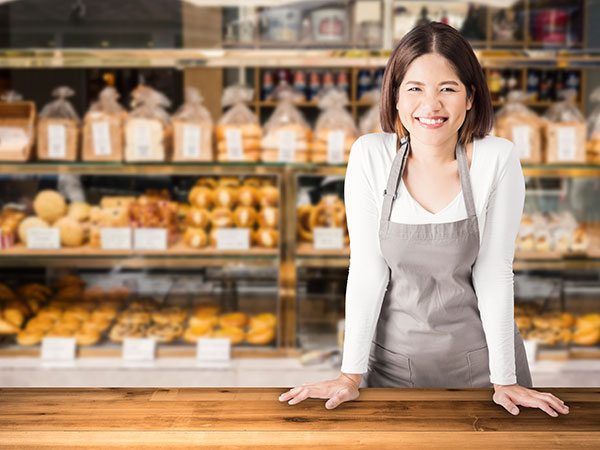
{"type": "Point", "coordinates": [429, 333]}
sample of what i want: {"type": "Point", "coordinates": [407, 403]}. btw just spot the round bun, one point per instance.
{"type": "Point", "coordinates": [72, 233]}
{"type": "Point", "coordinates": [30, 222]}
{"type": "Point", "coordinates": [49, 205]}
{"type": "Point", "coordinates": [80, 211]}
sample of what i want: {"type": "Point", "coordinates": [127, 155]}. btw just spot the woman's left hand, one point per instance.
{"type": "Point", "coordinates": [512, 395]}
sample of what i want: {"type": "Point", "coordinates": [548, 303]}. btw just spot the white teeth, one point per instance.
{"type": "Point", "coordinates": [431, 122]}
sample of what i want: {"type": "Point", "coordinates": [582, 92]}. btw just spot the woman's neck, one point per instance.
{"type": "Point", "coordinates": [433, 155]}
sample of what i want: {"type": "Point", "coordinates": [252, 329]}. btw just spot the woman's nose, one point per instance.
{"type": "Point", "coordinates": [431, 100]}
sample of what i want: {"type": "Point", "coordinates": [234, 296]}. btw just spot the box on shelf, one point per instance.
{"type": "Point", "coordinates": [17, 130]}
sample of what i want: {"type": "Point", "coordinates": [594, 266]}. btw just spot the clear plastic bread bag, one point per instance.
{"type": "Point", "coordinates": [335, 130]}
{"type": "Point", "coordinates": [148, 126]}
{"type": "Point", "coordinates": [522, 126]}
{"type": "Point", "coordinates": [103, 128]}
{"type": "Point", "coordinates": [58, 128]}
{"type": "Point", "coordinates": [287, 134]}
{"type": "Point", "coordinates": [565, 131]}
{"type": "Point", "coordinates": [193, 129]}
{"type": "Point", "coordinates": [238, 130]}
{"type": "Point", "coordinates": [370, 122]}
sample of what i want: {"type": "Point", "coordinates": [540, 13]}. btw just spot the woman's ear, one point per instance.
{"type": "Point", "coordinates": [470, 98]}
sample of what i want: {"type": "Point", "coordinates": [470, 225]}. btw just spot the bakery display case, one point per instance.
{"type": "Point", "coordinates": [187, 158]}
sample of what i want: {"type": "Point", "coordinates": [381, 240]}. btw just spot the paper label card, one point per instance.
{"type": "Point", "coordinates": [566, 144]}
{"type": "Point", "coordinates": [192, 137]}
{"type": "Point", "coordinates": [213, 349]}
{"type": "Point", "coordinates": [58, 349]}
{"type": "Point", "coordinates": [287, 146]}
{"type": "Point", "coordinates": [233, 238]}
{"type": "Point", "coordinates": [521, 139]}
{"type": "Point", "coordinates": [101, 139]}
{"type": "Point", "coordinates": [328, 238]}
{"type": "Point", "coordinates": [233, 139]}
{"type": "Point", "coordinates": [150, 238]}
{"type": "Point", "coordinates": [57, 141]}
{"type": "Point", "coordinates": [335, 147]}
{"type": "Point", "coordinates": [139, 349]}
{"type": "Point", "coordinates": [115, 238]}
{"type": "Point", "coordinates": [12, 139]}
{"type": "Point", "coordinates": [43, 239]}
{"type": "Point", "coordinates": [143, 142]}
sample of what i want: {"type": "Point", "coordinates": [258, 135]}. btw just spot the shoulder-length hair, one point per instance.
{"type": "Point", "coordinates": [440, 38]}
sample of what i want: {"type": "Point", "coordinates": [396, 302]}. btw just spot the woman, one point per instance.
{"type": "Point", "coordinates": [433, 208]}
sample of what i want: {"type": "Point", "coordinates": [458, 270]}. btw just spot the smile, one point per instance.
{"type": "Point", "coordinates": [431, 122]}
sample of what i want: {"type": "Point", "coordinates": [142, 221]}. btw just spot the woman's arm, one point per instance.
{"type": "Point", "coordinates": [493, 272]}
{"type": "Point", "coordinates": [368, 275]}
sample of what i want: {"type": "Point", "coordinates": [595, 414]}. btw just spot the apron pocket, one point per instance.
{"type": "Point", "coordinates": [389, 369]}
{"type": "Point", "coordinates": [479, 370]}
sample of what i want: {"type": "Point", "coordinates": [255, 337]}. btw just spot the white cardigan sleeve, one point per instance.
{"type": "Point", "coordinates": [368, 275]}
{"type": "Point", "coordinates": [493, 277]}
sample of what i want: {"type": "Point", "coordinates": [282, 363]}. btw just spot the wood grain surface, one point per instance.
{"type": "Point", "coordinates": [254, 418]}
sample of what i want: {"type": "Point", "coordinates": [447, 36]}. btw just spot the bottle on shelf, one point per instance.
{"type": "Point", "coordinates": [364, 83]}
{"type": "Point", "coordinates": [268, 81]}
{"type": "Point", "coordinates": [533, 84]}
{"type": "Point", "coordinates": [314, 84]}
{"type": "Point", "coordinates": [300, 83]}
{"type": "Point", "coordinates": [342, 82]}
{"type": "Point", "coordinates": [495, 84]}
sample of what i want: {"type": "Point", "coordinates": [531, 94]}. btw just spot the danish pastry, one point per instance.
{"type": "Point", "coordinates": [235, 335]}
{"type": "Point", "coordinates": [234, 319]}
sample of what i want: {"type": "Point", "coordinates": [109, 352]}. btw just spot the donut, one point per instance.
{"type": "Point", "coordinates": [303, 213]}
{"type": "Point", "coordinates": [234, 319]}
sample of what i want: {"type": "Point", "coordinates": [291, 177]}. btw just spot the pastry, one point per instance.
{"type": "Point", "coordinates": [77, 313]}
{"type": "Point", "coordinates": [266, 237]}
{"type": "Point", "coordinates": [194, 332]}
{"type": "Point", "coordinates": [303, 214]}
{"type": "Point", "coordinates": [80, 211]}
{"type": "Point", "coordinates": [59, 331]}
{"type": "Point", "coordinates": [29, 337]}
{"type": "Point", "coordinates": [235, 335]}
{"type": "Point", "coordinates": [221, 218]}
{"type": "Point", "coordinates": [268, 196]}
{"type": "Point", "coordinates": [208, 182]}
{"type": "Point", "coordinates": [208, 320]}
{"type": "Point", "coordinates": [234, 319]}
{"type": "Point", "coordinates": [260, 336]}
{"type": "Point", "coordinates": [225, 197]}
{"type": "Point", "coordinates": [229, 181]}
{"type": "Point", "coordinates": [172, 315]}
{"type": "Point", "coordinates": [244, 216]}
{"type": "Point", "coordinates": [121, 331]}
{"type": "Point", "coordinates": [195, 237]}
{"type": "Point", "coordinates": [207, 308]}
{"type": "Point", "coordinates": [586, 336]}
{"type": "Point", "coordinates": [85, 337]}
{"type": "Point", "coordinates": [255, 182]}
{"type": "Point", "coordinates": [263, 320]}
{"type": "Point", "coordinates": [117, 202]}
{"type": "Point", "coordinates": [268, 217]}
{"type": "Point", "coordinates": [164, 332]}
{"type": "Point", "coordinates": [198, 217]}
{"type": "Point", "coordinates": [248, 196]}
{"type": "Point", "coordinates": [72, 234]}
{"type": "Point", "coordinates": [49, 205]}
{"type": "Point", "coordinates": [30, 222]}
{"type": "Point", "coordinates": [201, 197]}
{"type": "Point", "coordinates": [133, 317]}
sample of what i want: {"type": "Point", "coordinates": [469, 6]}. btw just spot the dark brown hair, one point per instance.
{"type": "Point", "coordinates": [440, 38]}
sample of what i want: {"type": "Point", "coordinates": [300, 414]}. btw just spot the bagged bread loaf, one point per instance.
{"type": "Point", "coordinates": [521, 125]}
{"type": "Point", "coordinates": [148, 127]}
{"type": "Point", "coordinates": [335, 131]}
{"type": "Point", "coordinates": [238, 131]}
{"type": "Point", "coordinates": [287, 134]}
{"type": "Point", "coordinates": [370, 122]}
{"type": "Point", "coordinates": [58, 128]}
{"type": "Point", "coordinates": [193, 130]}
{"type": "Point", "coordinates": [103, 128]}
{"type": "Point", "coordinates": [565, 131]}
{"type": "Point", "coordinates": [17, 127]}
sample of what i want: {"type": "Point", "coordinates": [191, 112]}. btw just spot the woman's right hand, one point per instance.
{"type": "Point", "coordinates": [344, 388]}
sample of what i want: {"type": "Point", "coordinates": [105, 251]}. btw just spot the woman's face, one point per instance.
{"type": "Point", "coordinates": [432, 101]}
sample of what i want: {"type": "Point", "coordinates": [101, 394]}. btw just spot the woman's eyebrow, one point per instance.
{"type": "Point", "coordinates": [439, 84]}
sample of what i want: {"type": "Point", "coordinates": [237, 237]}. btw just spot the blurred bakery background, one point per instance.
{"type": "Point", "coordinates": [172, 173]}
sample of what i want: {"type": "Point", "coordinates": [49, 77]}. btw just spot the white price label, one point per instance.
{"type": "Point", "coordinates": [143, 142]}
{"type": "Point", "coordinates": [138, 349]}
{"type": "Point", "coordinates": [566, 144]}
{"type": "Point", "coordinates": [12, 139]}
{"type": "Point", "coordinates": [150, 238]}
{"type": "Point", "coordinates": [521, 139]}
{"type": "Point", "coordinates": [233, 139]}
{"type": "Point", "coordinates": [192, 136]}
{"type": "Point", "coordinates": [56, 350]}
{"type": "Point", "coordinates": [101, 139]}
{"type": "Point", "coordinates": [213, 352]}
{"type": "Point", "coordinates": [115, 238]}
{"type": "Point", "coordinates": [233, 238]}
{"type": "Point", "coordinates": [57, 141]}
{"type": "Point", "coordinates": [43, 239]}
{"type": "Point", "coordinates": [328, 238]}
{"type": "Point", "coordinates": [335, 147]}
{"type": "Point", "coordinates": [287, 146]}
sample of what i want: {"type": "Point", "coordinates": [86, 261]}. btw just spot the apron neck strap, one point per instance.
{"type": "Point", "coordinates": [398, 165]}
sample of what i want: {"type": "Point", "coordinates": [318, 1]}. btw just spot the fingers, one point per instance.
{"type": "Point", "coordinates": [504, 400]}
{"type": "Point", "coordinates": [336, 399]}
{"type": "Point", "coordinates": [302, 395]}
{"type": "Point", "coordinates": [556, 403]}
{"type": "Point", "coordinates": [289, 394]}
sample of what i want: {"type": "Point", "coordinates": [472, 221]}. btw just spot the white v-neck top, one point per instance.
{"type": "Point", "coordinates": [498, 192]}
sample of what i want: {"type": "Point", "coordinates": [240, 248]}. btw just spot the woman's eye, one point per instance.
{"type": "Point", "coordinates": [411, 89]}
{"type": "Point", "coordinates": [450, 89]}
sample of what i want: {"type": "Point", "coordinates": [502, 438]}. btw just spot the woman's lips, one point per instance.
{"type": "Point", "coordinates": [432, 126]}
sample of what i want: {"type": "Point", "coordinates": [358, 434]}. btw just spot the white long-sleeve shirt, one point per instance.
{"type": "Point", "coordinates": [498, 192]}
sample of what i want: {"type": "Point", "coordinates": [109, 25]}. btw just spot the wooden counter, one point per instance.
{"type": "Point", "coordinates": [254, 418]}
